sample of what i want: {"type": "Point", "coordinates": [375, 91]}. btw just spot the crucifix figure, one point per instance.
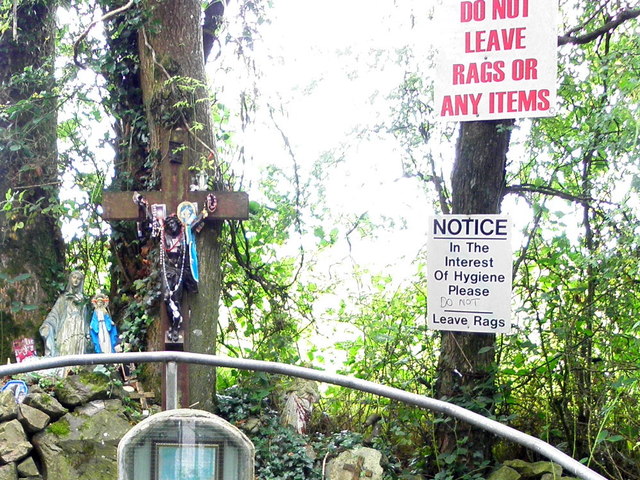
{"type": "Point", "coordinates": [178, 253]}
{"type": "Point", "coordinates": [177, 200]}
{"type": "Point", "coordinates": [177, 275]}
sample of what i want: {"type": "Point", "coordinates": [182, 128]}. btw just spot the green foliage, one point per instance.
{"type": "Point", "coordinates": [569, 374]}
{"type": "Point", "coordinates": [452, 468]}
{"type": "Point", "coordinates": [175, 104]}
{"type": "Point", "coordinates": [575, 356]}
{"type": "Point", "coordinates": [267, 304]}
{"type": "Point", "coordinates": [392, 340]}
{"type": "Point", "coordinates": [280, 453]}
{"type": "Point", "coordinates": [140, 311]}
{"type": "Point", "coordinates": [61, 428]}
{"type": "Point", "coordinates": [9, 288]}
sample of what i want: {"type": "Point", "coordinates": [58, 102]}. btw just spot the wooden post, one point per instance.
{"type": "Point", "coordinates": [175, 184]}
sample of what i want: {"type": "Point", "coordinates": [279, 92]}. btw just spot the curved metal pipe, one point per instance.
{"type": "Point", "coordinates": [535, 444]}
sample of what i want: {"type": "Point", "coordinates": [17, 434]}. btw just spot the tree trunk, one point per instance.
{"type": "Point", "coordinates": [31, 246]}
{"type": "Point", "coordinates": [175, 97]}
{"type": "Point", "coordinates": [134, 298]}
{"type": "Point", "coordinates": [466, 376]}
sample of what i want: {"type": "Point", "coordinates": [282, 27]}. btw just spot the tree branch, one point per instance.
{"type": "Point", "coordinates": [612, 24]}
{"type": "Point", "coordinates": [104, 18]}
{"type": "Point", "coordinates": [437, 179]}
{"type": "Point", "coordinates": [527, 187]}
{"type": "Point", "coordinates": [298, 189]}
{"type": "Point", "coordinates": [525, 247]}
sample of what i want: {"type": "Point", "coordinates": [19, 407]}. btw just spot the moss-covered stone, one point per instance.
{"type": "Point", "coordinates": [85, 387]}
{"type": "Point", "coordinates": [27, 468]}
{"type": "Point", "coordinates": [45, 403]}
{"type": "Point", "coordinates": [535, 469]}
{"type": "Point", "coordinates": [32, 419]}
{"type": "Point", "coordinates": [369, 458]}
{"type": "Point", "coordinates": [60, 428]}
{"type": "Point", "coordinates": [84, 446]}
{"type": "Point", "coordinates": [505, 473]}
{"type": "Point", "coordinates": [15, 445]}
{"type": "Point", "coordinates": [8, 472]}
{"type": "Point", "coordinates": [8, 406]}
{"type": "Point", "coordinates": [517, 464]}
{"type": "Point", "coordinates": [540, 468]}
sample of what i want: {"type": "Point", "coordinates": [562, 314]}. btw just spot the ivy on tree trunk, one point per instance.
{"type": "Point", "coordinates": [175, 98]}
{"type": "Point", "coordinates": [31, 246]}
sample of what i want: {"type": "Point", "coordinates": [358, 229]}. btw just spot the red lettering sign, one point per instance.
{"type": "Point", "coordinates": [24, 348]}
{"type": "Point", "coordinates": [498, 61]}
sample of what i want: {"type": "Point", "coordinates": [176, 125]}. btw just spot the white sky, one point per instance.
{"type": "Point", "coordinates": [316, 61]}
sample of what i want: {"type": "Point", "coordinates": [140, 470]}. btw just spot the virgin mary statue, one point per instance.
{"type": "Point", "coordinates": [65, 330]}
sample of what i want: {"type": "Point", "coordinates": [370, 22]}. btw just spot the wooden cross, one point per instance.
{"type": "Point", "coordinates": [141, 395]}
{"type": "Point", "coordinates": [175, 188]}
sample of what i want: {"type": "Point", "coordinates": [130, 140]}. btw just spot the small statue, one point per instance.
{"type": "Point", "coordinates": [19, 389]}
{"type": "Point", "coordinates": [65, 329]}
{"type": "Point", "coordinates": [104, 333]}
{"type": "Point", "coordinates": [177, 275]}
{"type": "Point", "coordinates": [298, 404]}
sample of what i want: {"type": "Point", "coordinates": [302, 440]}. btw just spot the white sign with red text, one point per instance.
{"type": "Point", "coordinates": [497, 59]}
{"type": "Point", "coordinates": [469, 273]}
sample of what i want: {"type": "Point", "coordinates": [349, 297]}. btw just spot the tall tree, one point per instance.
{"type": "Point", "coordinates": [465, 369]}
{"type": "Point", "coordinates": [31, 247]}
{"type": "Point", "coordinates": [175, 98]}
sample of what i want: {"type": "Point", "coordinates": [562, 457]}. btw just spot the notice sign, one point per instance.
{"type": "Point", "coordinates": [469, 273]}
{"type": "Point", "coordinates": [497, 59]}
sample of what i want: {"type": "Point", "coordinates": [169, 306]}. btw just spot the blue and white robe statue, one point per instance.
{"type": "Point", "coordinates": [104, 333]}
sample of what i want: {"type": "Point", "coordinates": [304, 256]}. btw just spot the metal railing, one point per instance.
{"type": "Point", "coordinates": [535, 444]}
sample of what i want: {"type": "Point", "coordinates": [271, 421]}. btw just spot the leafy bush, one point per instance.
{"type": "Point", "coordinates": [281, 453]}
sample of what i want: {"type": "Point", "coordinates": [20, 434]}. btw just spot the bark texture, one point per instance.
{"type": "Point", "coordinates": [465, 376]}
{"type": "Point", "coordinates": [134, 171]}
{"type": "Point", "coordinates": [30, 238]}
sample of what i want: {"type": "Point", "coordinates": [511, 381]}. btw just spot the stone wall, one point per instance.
{"type": "Point", "coordinates": [70, 432]}
{"type": "Point", "coordinates": [519, 469]}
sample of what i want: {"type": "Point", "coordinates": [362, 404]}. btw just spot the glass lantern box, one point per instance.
{"type": "Point", "coordinates": [185, 444]}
